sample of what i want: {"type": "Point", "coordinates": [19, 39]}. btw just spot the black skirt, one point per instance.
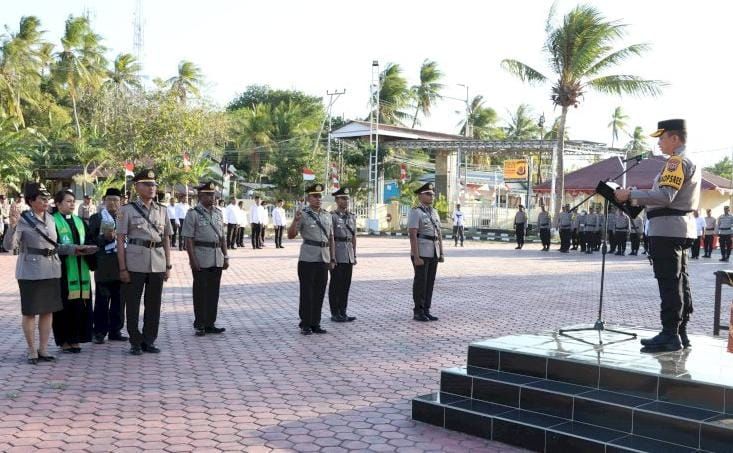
{"type": "Point", "coordinates": [38, 297]}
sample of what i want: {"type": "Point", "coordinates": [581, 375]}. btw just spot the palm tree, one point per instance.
{"type": "Point", "coordinates": [187, 81]}
{"type": "Point", "coordinates": [638, 141]}
{"type": "Point", "coordinates": [580, 51]}
{"type": "Point", "coordinates": [482, 121]}
{"type": "Point", "coordinates": [521, 125]}
{"type": "Point", "coordinates": [618, 123]}
{"type": "Point", "coordinates": [253, 130]}
{"type": "Point", "coordinates": [394, 96]}
{"type": "Point", "coordinates": [124, 75]}
{"type": "Point", "coordinates": [428, 91]}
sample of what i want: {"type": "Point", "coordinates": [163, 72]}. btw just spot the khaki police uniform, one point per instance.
{"type": "Point", "coordinates": [724, 231]}
{"type": "Point", "coordinates": [344, 229]}
{"type": "Point", "coordinates": [543, 224]}
{"type": "Point", "coordinates": [710, 226]}
{"type": "Point", "coordinates": [425, 220]}
{"type": "Point", "coordinates": [637, 229]}
{"type": "Point", "coordinates": [580, 220]}
{"type": "Point", "coordinates": [520, 227]}
{"type": "Point", "coordinates": [565, 229]}
{"type": "Point", "coordinates": [621, 231]}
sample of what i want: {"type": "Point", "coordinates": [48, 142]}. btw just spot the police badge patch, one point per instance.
{"type": "Point", "coordinates": [673, 174]}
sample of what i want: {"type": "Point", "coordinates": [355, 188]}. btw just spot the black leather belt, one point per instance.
{"type": "Point", "coordinates": [425, 236]}
{"type": "Point", "coordinates": [211, 245]}
{"type": "Point", "coordinates": [338, 239]}
{"type": "Point", "coordinates": [42, 252]}
{"type": "Point", "coordinates": [621, 229]}
{"type": "Point", "coordinates": [144, 243]}
{"type": "Point", "coordinates": [315, 243]}
{"type": "Point", "coordinates": [709, 229]}
{"type": "Point", "coordinates": [666, 212]}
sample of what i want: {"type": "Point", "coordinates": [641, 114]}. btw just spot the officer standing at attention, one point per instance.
{"type": "Point", "coordinates": [426, 251]}
{"type": "Point", "coordinates": [580, 220]}
{"type": "Point", "coordinates": [317, 256]}
{"type": "Point", "coordinates": [344, 236]}
{"type": "Point", "coordinates": [674, 195]}
{"type": "Point", "coordinates": [145, 261]}
{"type": "Point", "coordinates": [206, 244]}
{"type": "Point", "coordinates": [610, 229]}
{"type": "Point", "coordinates": [725, 228]}
{"type": "Point", "coordinates": [620, 231]}
{"type": "Point", "coordinates": [564, 226]}
{"type": "Point", "coordinates": [520, 226]}
{"type": "Point", "coordinates": [637, 229]}
{"type": "Point", "coordinates": [590, 231]}
{"type": "Point", "coordinates": [710, 224]}
{"type": "Point", "coordinates": [543, 224]}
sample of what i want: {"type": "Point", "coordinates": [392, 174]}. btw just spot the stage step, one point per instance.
{"type": "Point", "coordinates": [519, 391]}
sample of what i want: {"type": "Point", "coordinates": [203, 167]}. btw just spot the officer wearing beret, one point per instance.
{"type": "Point", "coordinates": [145, 261]}
{"type": "Point", "coordinates": [206, 244]}
{"type": "Point", "coordinates": [426, 251]}
{"type": "Point", "coordinates": [670, 202]}
{"type": "Point", "coordinates": [344, 236]}
{"type": "Point", "coordinates": [317, 256]}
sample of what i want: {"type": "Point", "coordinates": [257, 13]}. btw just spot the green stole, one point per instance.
{"type": "Point", "coordinates": [79, 285]}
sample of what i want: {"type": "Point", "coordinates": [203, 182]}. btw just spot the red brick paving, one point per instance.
{"type": "Point", "coordinates": [263, 387]}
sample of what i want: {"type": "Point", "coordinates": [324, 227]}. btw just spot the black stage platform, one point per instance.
{"type": "Point", "coordinates": [551, 393]}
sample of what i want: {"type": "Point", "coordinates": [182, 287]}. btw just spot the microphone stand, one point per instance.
{"type": "Point", "coordinates": [600, 325]}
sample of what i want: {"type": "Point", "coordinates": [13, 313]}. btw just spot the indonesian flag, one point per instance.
{"type": "Point", "coordinates": [308, 174]}
{"type": "Point", "coordinates": [129, 167]}
{"type": "Point", "coordinates": [186, 161]}
{"type": "Point", "coordinates": [403, 172]}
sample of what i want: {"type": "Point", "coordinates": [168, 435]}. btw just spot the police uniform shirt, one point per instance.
{"type": "Point", "coordinates": [344, 249]}
{"type": "Point", "coordinates": [710, 224]}
{"type": "Point", "coordinates": [309, 230]}
{"type": "Point", "coordinates": [725, 224]}
{"type": "Point", "coordinates": [590, 223]}
{"type": "Point", "coordinates": [203, 225]}
{"type": "Point", "coordinates": [420, 219]}
{"type": "Point", "coordinates": [621, 222]}
{"type": "Point", "coordinates": [131, 223]}
{"type": "Point", "coordinates": [580, 221]}
{"type": "Point", "coordinates": [520, 217]}
{"type": "Point", "coordinates": [565, 220]}
{"type": "Point", "coordinates": [676, 187]}
{"type": "Point", "coordinates": [543, 220]}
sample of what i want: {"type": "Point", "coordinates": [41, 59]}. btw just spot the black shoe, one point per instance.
{"type": "Point", "coordinates": [517, 248]}
{"type": "Point", "coordinates": [117, 337]}
{"type": "Point", "coordinates": [46, 358]}
{"type": "Point", "coordinates": [431, 317]}
{"type": "Point", "coordinates": [135, 350]}
{"type": "Point", "coordinates": [349, 318]}
{"type": "Point", "coordinates": [317, 329]}
{"type": "Point", "coordinates": [200, 332]}
{"type": "Point", "coordinates": [662, 342]}
{"type": "Point", "coordinates": [684, 339]}
{"type": "Point", "coordinates": [98, 339]}
{"type": "Point", "coordinates": [306, 331]}
{"type": "Point", "coordinates": [32, 360]}
{"type": "Point", "coordinates": [420, 317]}
{"type": "Point", "coordinates": [215, 329]}
{"type": "Point", "coordinates": [75, 350]}
{"type": "Point", "coordinates": [149, 348]}
{"type": "Point", "coordinates": [338, 318]}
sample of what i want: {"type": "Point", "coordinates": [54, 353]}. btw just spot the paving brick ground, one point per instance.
{"type": "Point", "coordinates": [263, 387]}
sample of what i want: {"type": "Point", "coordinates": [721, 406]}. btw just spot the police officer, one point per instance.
{"type": "Point", "coordinates": [637, 229]}
{"type": "Point", "coordinates": [520, 226]}
{"type": "Point", "coordinates": [620, 231]}
{"type": "Point", "coordinates": [564, 226]}
{"type": "Point", "coordinates": [317, 256]}
{"type": "Point", "coordinates": [580, 221]}
{"type": "Point", "coordinates": [206, 244]}
{"type": "Point", "coordinates": [725, 229]}
{"type": "Point", "coordinates": [575, 230]}
{"type": "Point", "coordinates": [610, 228]}
{"type": "Point", "coordinates": [674, 195]}
{"type": "Point", "coordinates": [710, 225]}
{"type": "Point", "coordinates": [145, 261]}
{"type": "Point", "coordinates": [543, 224]}
{"type": "Point", "coordinates": [426, 251]}
{"type": "Point", "coordinates": [590, 231]}
{"type": "Point", "coordinates": [344, 236]}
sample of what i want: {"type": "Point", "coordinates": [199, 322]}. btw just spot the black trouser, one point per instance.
{"type": "Point", "coordinates": [611, 240]}
{"type": "Point", "coordinates": [152, 284]}
{"type": "Point", "coordinates": [519, 231]}
{"type": "Point", "coordinates": [669, 259]}
{"type": "Point", "coordinates": [69, 326]}
{"type": "Point", "coordinates": [725, 244]}
{"type": "Point", "coordinates": [279, 235]}
{"type": "Point", "coordinates": [232, 235]}
{"type": "Point", "coordinates": [240, 236]}
{"type": "Point", "coordinates": [109, 311]}
{"type": "Point", "coordinates": [423, 283]}
{"type": "Point", "coordinates": [206, 283]}
{"type": "Point", "coordinates": [645, 238]}
{"type": "Point", "coordinates": [256, 236]}
{"type": "Point", "coordinates": [708, 244]}
{"type": "Point", "coordinates": [621, 238]}
{"type": "Point", "coordinates": [174, 232]}
{"type": "Point", "coordinates": [313, 278]}
{"type": "Point", "coordinates": [696, 247]}
{"type": "Point", "coordinates": [458, 231]}
{"type": "Point", "coordinates": [338, 288]}
{"type": "Point", "coordinates": [263, 230]}
{"type": "Point", "coordinates": [545, 237]}
{"type": "Point", "coordinates": [634, 243]}
{"type": "Point", "coordinates": [582, 240]}
{"type": "Point", "coordinates": [565, 235]}
{"type": "Point", "coordinates": [575, 238]}
{"type": "Point", "coordinates": [597, 239]}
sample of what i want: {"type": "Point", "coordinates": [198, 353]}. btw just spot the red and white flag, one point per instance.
{"type": "Point", "coordinates": [129, 167]}
{"type": "Point", "coordinates": [308, 174]}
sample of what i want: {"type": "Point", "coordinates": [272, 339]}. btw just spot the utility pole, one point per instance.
{"type": "Point", "coordinates": [375, 89]}
{"type": "Point", "coordinates": [468, 133]}
{"type": "Point", "coordinates": [332, 98]}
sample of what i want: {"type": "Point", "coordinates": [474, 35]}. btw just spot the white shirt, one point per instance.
{"type": "Point", "coordinates": [181, 210]}
{"type": "Point", "coordinates": [700, 224]}
{"type": "Point", "coordinates": [230, 214]}
{"type": "Point", "coordinates": [458, 218]}
{"type": "Point", "coordinates": [278, 217]}
{"type": "Point", "coordinates": [241, 217]}
{"type": "Point", "coordinates": [171, 212]}
{"type": "Point", "coordinates": [262, 215]}
{"type": "Point", "coordinates": [254, 214]}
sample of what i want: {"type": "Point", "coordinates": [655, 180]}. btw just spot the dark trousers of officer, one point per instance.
{"type": "Point", "coordinates": [621, 238]}
{"type": "Point", "coordinates": [725, 244]}
{"type": "Point", "coordinates": [708, 242]}
{"type": "Point", "coordinates": [669, 259]}
{"type": "Point", "coordinates": [231, 235]}
{"type": "Point", "coordinates": [206, 283]}
{"type": "Point", "coordinates": [151, 283]}
{"type": "Point", "coordinates": [313, 278]}
{"type": "Point", "coordinates": [634, 238]}
{"type": "Point", "coordinates": [545, 237]}
{"type": "Point", "coordinates": [582, 240]}
{"type": "Point", "coordinates": [575, 239]}
{"type": "Point", "coordinates": [109, 311]}
{"type": "Point", "coordinates": [256, 236]}
{"type": "Point", "coordinates": [279, 235]}
{"type": "Point", "coordinates": [458, 232]}
{"type": "Point", "coordinates": [338, 288]}
{"type": "Point", "coordinates": [423, 283]}
{"type": "Point", "coordinates": [263, 230]}
{"type": "Point", "coordinates": [597, 240]}
{"type": "Point", "coordinates": [174, 232]}
{"type": "Point", "coordinates": [519, 232]}
{"type": "Point", "coordinates": [240, 236]}
{"type": "Point", "coordinates": [565, 236]}
{"type": "Point", "coordinates": [696, 247]}
{"type": "Point", "coordinates": [612, 242]}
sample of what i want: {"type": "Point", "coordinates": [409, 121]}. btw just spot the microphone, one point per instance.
{"type": "Point", "coordinates": [637, 158]}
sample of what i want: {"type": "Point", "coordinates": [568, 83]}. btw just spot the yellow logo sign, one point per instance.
{"type": "Point", "coordinates": [515, 169]}
{"type": "Point", "coordinates": [673, 174]}
{"type": "Point", "coordinates": [151, 174]}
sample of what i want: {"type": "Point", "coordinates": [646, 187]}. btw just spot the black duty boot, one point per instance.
{"type": "Point", "coordinates": [420, 316]}
{"type": "Point", "coordinates": [665, 341]}
{"type": "Point", "coordinates": [683, 335]}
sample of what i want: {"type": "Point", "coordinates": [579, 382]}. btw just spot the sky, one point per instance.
{"type": "Point", "coordinates": [324, 45]}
